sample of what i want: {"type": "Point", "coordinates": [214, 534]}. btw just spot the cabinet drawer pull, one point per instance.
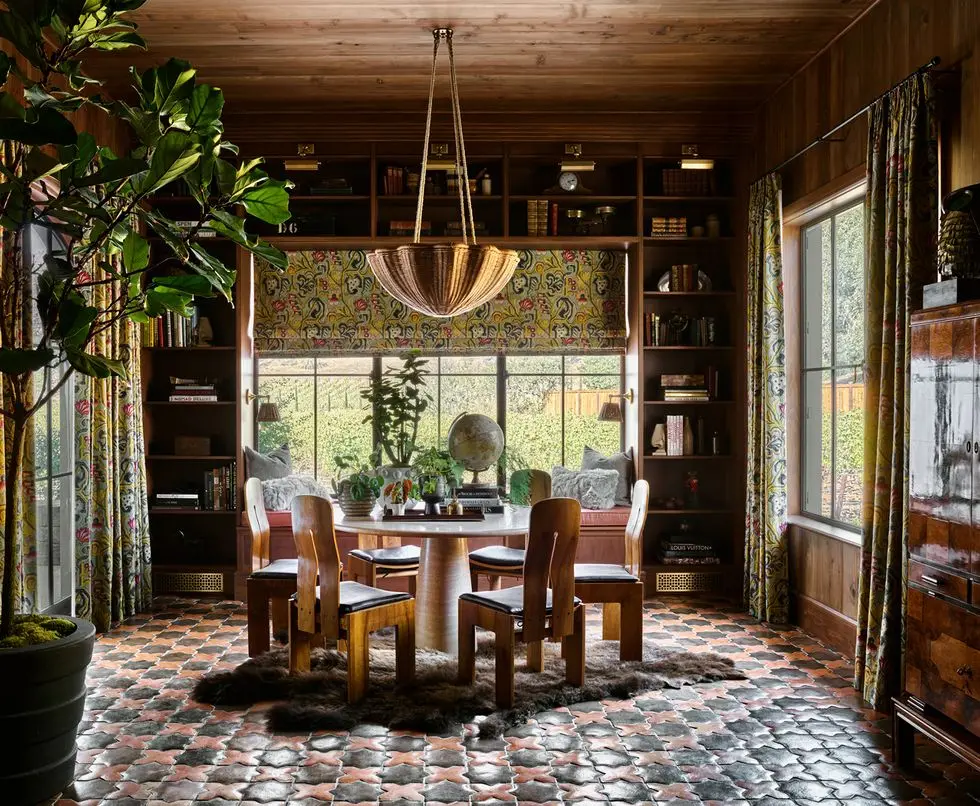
{"type": "Point", "coordinates": [931, 580]}
{"type": "Point", "coordinates": [965, 671]}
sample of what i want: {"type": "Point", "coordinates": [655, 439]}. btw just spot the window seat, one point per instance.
{"type": "Point", "coordinates": [601, 541]}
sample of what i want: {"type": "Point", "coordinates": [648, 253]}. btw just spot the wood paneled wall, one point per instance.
{"type": "Point", "coordinates": [889, 42]}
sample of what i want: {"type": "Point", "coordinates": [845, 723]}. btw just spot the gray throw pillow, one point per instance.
{"type": "Point", "coordinates": [593, 489]}
{"type": "Point", "coordinates": [264, 466]}
{"type": "Point", "coordinates": [622, 463]}
{"type": "Point", "coordinates": [278, 494]}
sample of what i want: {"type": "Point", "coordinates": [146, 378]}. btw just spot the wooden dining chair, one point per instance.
{"type": "Point", "coordinates": [379, 557]}
{"type": "Point", "coordinates": [620, 587]}
{"type": "Point", "coordinates": [270, 584]}
{"type": "Point", "coordinates": [326, 609]}
{"type": "Point", "coordinates": [543, 608]}
{"type": "Point", "coordinates": [497, 562]}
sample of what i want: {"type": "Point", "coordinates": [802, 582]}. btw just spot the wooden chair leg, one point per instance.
{"type": "Point", "coordinates": [503, 627]}
{"type": "Point", "coordinates": [474, 581]}
{"type": "Point", "coordinates": [466, 664]}
{"type": "Point", "coordinates": [575, 650]}
{"type": "Point", "coordinates": [280, 619]}
{"type": "Point", "coordinates": [357, 657]}
{"type": "Point", "coordinates": [496, 582]}
{"type": "Point", "coordinates": [299, 644]}
{"type": "Point", "coordinates": [610, 621]}
{"type": "Point", "coordinates": [631, 632]}
{"type": "Point", "coordinates": [535, 656]}
{"type": "Point", "coordinates": [258, 618]}
{"type": "Point", "coordinates": [405, 645]}
{"type": "Point", "coordinates": [413, 584]}
{"type": "Point", "coordinates": [372, 575]}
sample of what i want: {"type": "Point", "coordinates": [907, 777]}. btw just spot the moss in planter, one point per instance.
{"type": "Point", "coordinates": [33, 629]}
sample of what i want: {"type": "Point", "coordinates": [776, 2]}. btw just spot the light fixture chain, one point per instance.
{"type": "Point", "coordinates": [460, 143]}
{"type": "Point", "coordinates": [425, 144]}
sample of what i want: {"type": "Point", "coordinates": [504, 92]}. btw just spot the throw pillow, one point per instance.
{"type": "Point", "coordinates": [622, 463]}
{"type": "Point", "coordinates": [264, 466]}
{"type": "Point", "coordinates": [593, 489]}
{"type": "Point", "coordinates": [278, 494]}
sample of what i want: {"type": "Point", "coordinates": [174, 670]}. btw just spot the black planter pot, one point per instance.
{"type": "Point", "coordinates": [43, 695]}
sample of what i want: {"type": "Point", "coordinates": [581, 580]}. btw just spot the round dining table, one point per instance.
{"type": "Point", "coordinates": [444, 568]}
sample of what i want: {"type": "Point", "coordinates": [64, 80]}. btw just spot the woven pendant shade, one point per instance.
{"type": "Point", "coordinates": [444, 280]}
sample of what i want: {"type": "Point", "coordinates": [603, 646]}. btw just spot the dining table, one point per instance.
{"type": "Point", "coordinates": [444, 567]}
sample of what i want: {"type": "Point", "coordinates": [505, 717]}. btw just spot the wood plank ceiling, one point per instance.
{"type": "Point", "coordinates": [513, 55]}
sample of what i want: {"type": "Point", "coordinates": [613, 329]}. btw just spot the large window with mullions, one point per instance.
{"type": "Point", "coordinates": [548, 406]}
{"type": "Point", "coordinates": [833, 280]}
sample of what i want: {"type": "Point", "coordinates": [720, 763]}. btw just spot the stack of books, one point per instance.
{"type": "Point", "coordinates": [686, 550]}
{"type": "Point", "coordinates": [675, 435]}
{"type": "Point", "coordinates": [170, 330]}
{"type": "Point", "coordinates": [187, 390]}
{"type": "Point", "coordinates": [684, 388]}
{"type": "Point", "coordinates": [671, 330]}
{"type": "Point", "coordinates": [538, 218]}
{"type": "Point", "coordinates": [673, 227]}
{"type": "Point", "coordinates": [681, 182]}
{"type": "Point", "coordinates": [485, 499]}
{"type": "Point", "coordinates": [455, 228]}
{"type": "Point", "coordinates": [684, 277]}
{"type": "Point", "coordinates": [394, 181]}
{"type": "Point", "coordinates": [407, 227]}
{"type": "Point", "coordinates": [176, 501]}
{"type": "Point", "coordinates": [221, 489]}
{"type": "Point", "coordinates": [332, 187]}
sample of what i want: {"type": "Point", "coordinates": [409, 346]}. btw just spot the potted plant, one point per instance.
{"type": "Point", "coordinates": [398, 400]}
{"type": "Point", "coordinates": [435, 470]}
{"type": "Point", "coordinates": [396, 494]}
{"type": "Point", "coordinates": [357, 486]}
{"type": "Point", "coordinates": [93, 199]}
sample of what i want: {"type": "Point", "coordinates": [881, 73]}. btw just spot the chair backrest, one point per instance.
{"type": "Point", "coordinates": [319, 563]}
{"type": "Point", "coordinates": [258, 523]}
{"type": "Point", "coordinates": [634, 526]}
{"type": "Point", "coordinates": [539, 482]}
{"type": "Point", "coordinates": [552, 541]}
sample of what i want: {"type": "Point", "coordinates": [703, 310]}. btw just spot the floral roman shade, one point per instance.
{"type": "Point", "coordinates": [329, 301]}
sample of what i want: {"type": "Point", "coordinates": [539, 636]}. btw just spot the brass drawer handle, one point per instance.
{"type": "Point", "coordinates": [965, 671]}
{"type": "Point", "coordinates": [931, 580]}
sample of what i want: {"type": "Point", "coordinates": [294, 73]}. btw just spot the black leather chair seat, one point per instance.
{"type": "Point", "coordinates": [355, 597]}
{"type": "Point", "coordinates": [277, 569]}
{"type": "Point", "coordinates": [501, 556]}
{"type": "Point", "coordinates": [397, 555]}
{"type": "Point", "coordinates": [508, 600]}
{"type": "Point", "coordinates": [602, 573]}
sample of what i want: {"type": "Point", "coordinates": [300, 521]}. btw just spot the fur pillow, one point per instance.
{"type": "Point", "coordinates": [264, 466]}
{"type": "Point", "coordinates": [622, 463]}
{"type": "Point", "coordinates": [594, 489]}
{"type": "Point", "coordinates": [278, 494]}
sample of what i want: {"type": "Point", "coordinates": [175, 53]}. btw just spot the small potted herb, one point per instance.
{"type": "Point", "coordinates": [435, 470]}
{"type": "Point", "coordinates": [357, 486]}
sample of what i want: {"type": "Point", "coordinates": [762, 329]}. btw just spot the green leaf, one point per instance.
{"type": "Point", "coordinates": [118, 41]}
{"type": "Point", "coordinates": [174, 155]}
{"type": "Point", "coordinates": [220, 276]}
{"type": "Point", "coordinates": [4, 67]}
{"type": "Point", "coordinates": [49, 127]}
{"type": "Point", "coordinates": [24, 36]}
{"type": "Point", "coordinates": [189, 283]}
{"type": "Point", "coordinates": [171, 83]}
{"type": "Point", "coordinates": [204, 107]}
{"type": "Point", "coordinates": [37, 97]}
{"type": "Point", "coordinates": [95, 366]}
{"type": "Point", "coordinates": [169, 299]}
{"type": "Point", "coordinates": [226, 176]}
{"type": "Point", "coordinates": [145, 124]}
{"type": "Point", "coordinates": [75, 320]}
{"type": "Point", "coordinates": [21, 361]}
{"type": "Point", "coordinates": [10, 108]}
{"type": "Point", "coordinates": [136, 252]}
{"type": "Point", "coordinates": [38, 164]}
{"type": "Point", "coordinates": [113, 171]}
{"type": "Point", "coordinates": [269, 253]}
{"type": "Point", "coordinates": [268, 202]}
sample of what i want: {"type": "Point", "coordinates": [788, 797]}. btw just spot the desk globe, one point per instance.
{"type": "Point", "coordinates": [476, 442]}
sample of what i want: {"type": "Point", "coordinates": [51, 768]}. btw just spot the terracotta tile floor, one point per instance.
{"type": "Point", "coordinates": [793, 732]}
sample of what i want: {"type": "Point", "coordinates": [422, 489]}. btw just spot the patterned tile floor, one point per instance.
{"type": "Point", "coordinates": [793, 732]}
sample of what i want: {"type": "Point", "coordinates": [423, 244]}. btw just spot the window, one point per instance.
{"type": "Point", "coordinates": [53, 467]}
{"type": "Point", "coordinates": [548, 406]}
{"type": "Point", "coordinates": [832, 383]}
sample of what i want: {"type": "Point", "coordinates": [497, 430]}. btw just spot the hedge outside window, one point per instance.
{"type": "Point", "coordinates": [548, 407]}
{"type": "Point", "coordinates": [833, 366]}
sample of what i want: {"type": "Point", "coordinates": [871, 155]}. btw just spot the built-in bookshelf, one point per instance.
{"type": "Point", "coordinates": [190, 378]}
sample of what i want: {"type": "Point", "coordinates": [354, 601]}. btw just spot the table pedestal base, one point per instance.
{"type": "Point", "coordinates": [444, 574]}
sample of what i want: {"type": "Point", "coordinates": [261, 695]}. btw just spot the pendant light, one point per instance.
{"type": "Point", "coordinates": [447, 279]}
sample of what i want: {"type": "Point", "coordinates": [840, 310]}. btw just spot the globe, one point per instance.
{"type": "Point", "coordinates": [476, 442]}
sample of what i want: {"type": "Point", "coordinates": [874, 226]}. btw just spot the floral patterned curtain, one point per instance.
{"type": "Point", "coordinates": [329, 301]}
{"type": "Point", "coordinates": [900, 239]}
{"type": "Point", "coordinates": [112, 533]}
{"type": "Point", "coordinates": [20, 319]}
{"type": "Point", "coordinates": [766, 553]}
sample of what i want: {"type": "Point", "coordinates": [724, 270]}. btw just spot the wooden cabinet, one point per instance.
{"type": "Point", "coordinates": [942, 660]}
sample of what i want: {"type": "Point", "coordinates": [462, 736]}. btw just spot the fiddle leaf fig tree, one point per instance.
{"type": "Point", "coordinates": [57, 177]}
